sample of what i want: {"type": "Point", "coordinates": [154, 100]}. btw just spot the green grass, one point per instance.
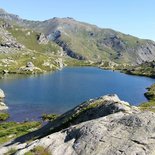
{"type": "Point", "coordinates": [150, 95]}
{"type": "Point", "coordinates": [11, 130]}
{"type": "Point", "coordinates": [21, 59]}
{"type": "Point", "coordinates": [4, 116]}
{"type": "Point", "coordinates": [100, 46]}
{"type": "Point", "coordinates": [30, 41]}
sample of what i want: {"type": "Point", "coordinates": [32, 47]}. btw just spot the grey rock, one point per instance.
{"type": "Point", "coordinates": [3, 106]}
{"type": "Point", "coordinates": [119, 133]}
{"type": "Point", "coordinates": [42, 39]}
{"type": "Point", "coordinates": [30, 67]}
{"type": "Point", "coordinates": [29, 64]}
{"type": "Point", "coordinates": [7, 40]}
{"type": "Point", "coordinates": [2, 95]}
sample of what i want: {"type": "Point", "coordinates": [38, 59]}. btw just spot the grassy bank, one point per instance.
{"type": "Point", "coordinates": [150, 95]}
{"type": "Point", "coordinates": [12, 130]}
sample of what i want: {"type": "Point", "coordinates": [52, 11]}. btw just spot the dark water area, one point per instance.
{"type": "Point", "coordinates": [29, 97]}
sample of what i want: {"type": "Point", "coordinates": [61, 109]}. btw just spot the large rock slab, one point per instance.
{"type": "Point", "coordinates": [116, 134]}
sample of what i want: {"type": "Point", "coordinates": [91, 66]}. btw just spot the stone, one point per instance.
{"type": "Point", "coordinates": [2, 95]}
{"type": "Point", "coordinates": [42, 39]}
{"type": "Point", "coordinates": [29, 64]}
{"type": "Point", "coordinates": [5, 71]}
{"type": "Point", "coordinates": [3, 106]}
{"type": "Point", "coordinates": [30, 67]}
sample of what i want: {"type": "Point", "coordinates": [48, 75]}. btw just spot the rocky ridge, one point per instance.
{"type": "Point", "coordinates": [106, 126]}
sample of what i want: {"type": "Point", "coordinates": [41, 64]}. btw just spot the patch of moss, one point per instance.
{"type": "Point", "coordinates": [38, 150]}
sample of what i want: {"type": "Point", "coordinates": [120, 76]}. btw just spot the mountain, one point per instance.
{"type": "Point", "coordinates": [105, 125]}
{"type": "Point", "coordinates": [88, 42]}
{"type": "Point", "coordinates": [23, 50]}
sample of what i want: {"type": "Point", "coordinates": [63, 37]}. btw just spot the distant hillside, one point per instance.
{"type": "Point", "coordinates": [85, 41]}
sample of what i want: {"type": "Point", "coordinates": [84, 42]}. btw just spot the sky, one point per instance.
{"type": "Point", "coordinates": [134, 17]}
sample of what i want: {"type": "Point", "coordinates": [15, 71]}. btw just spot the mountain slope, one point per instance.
{"type": "Point", "coordinates": [85, 41]}
{"type": "Point", "coordinates": [25, 51]}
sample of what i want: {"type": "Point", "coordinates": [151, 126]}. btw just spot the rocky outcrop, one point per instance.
{"type": "Point", "coordinates": [7, 40]}
{"type": "Point", "coordinates": [30, 67]}
{"type": "Point", "coordinates": [60, 63]}
{"type": "Point", "coordinates": [42, 39]}
{"type": "Point", "coordinates": [104, 126]}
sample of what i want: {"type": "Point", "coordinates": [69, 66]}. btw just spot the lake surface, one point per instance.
{"type": "Point", "coordinates": [29, 97]}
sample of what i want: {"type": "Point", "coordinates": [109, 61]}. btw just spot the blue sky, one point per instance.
{"type": "Point", "coordinates": [135, 17]}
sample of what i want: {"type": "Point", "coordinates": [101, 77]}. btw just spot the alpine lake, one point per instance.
{"type": "Point", "coordinates": [28, 97]}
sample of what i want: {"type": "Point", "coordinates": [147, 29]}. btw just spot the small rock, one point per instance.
{"type": "Point", "coordinates": [3, 106]}
{"type": "Point", "coordinates": [2, 95]}
{"type": "Point", "coordinates": [29, 64]}
{"type": "Point", "coordinates": [42, 39]}
{"type": "Point", "coordinates": [5, 71]}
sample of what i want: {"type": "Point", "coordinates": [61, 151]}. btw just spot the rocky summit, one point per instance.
{"type": "Point", "coordinates": [102, 126]}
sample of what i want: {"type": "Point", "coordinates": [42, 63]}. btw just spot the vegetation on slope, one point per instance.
{"type": "Point", "coordinates": [29, 38]}
{"type": "Point", "coordinates": [82, 39]}
{"type": "Point", "coordinates": [144, 69]}
{"type": "Point", "coordinates": [96, 44]}
{"type": "Point", "coordinates": [150, 95]}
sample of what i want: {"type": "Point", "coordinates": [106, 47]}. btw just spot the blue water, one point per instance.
{"type": "Point", "coordinates": [29, 97]}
